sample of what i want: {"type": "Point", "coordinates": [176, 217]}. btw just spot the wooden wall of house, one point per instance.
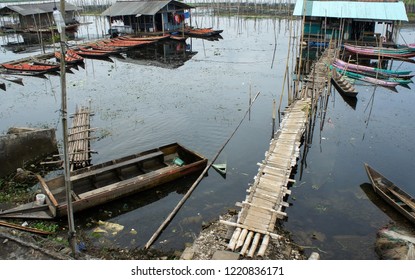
{"type": "Point", "coordinates": [42, 20]}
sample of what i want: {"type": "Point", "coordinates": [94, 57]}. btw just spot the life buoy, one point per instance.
{"type": "Point", "coordinates": [177, 19]}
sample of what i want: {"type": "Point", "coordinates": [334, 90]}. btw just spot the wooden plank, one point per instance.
{"type": "Point", "coordinates": [255, 224]}
{"type": "Point", "coordinates": [259, 201]}
{"type": "Point", "coordinates": [271, 210]}
{"type": "Point", "coordinates": [261, 216]}
{"type": "Point", "coordinates": [115, 166]}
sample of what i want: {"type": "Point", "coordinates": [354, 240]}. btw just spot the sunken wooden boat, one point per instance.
{"type": "Point", "coordinates": [392, 194]}
{"type": "Point", "coordinates": [105, 182]}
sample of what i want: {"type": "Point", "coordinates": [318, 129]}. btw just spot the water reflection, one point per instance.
{"type": "Point", "coordinates": [328, 208]}
{"type": "Point", "coordinates": [137, 215]}
{"type": "Point", "coordinates": [167, 54]}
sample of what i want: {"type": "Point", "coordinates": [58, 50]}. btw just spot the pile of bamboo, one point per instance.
{"type": "Point", "coordinates": [79, 139]}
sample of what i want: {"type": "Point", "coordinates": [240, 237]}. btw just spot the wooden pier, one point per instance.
{"type": "Point", "coordinates": [264, 204]}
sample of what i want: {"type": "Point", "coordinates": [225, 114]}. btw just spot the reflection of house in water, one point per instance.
{"type": "Point", "coordinates": [148, 15]}
{"type": "Point", "coordinates": [165, 53]}
{"type": "Point", "coordinates": [35, 20]}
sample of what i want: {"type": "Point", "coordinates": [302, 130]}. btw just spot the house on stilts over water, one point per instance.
{"type": "Point", "coordinates": [363, 21]}
{"type": "Point", "coordinates": [140, 16]}
{"type": "Point", "coordinates": [36, 17]}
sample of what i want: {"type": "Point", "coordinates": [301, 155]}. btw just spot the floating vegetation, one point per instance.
{"type": "Point", "coordinates": [315, 187]}
{"type": "Point", "coordinates": [321, 208]}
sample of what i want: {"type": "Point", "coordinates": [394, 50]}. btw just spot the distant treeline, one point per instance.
{"type": "Point", "coordinates": [248, 7]}
{"type": "Point", "coordinates": [410, 6]}
{"type": "Point", "coordinates": [241, 7]}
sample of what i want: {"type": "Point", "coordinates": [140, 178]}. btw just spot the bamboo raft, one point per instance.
{"type": "Point", "coordinates": [265, 203]}
{"type": "Point", "coordinates": [79, 139]}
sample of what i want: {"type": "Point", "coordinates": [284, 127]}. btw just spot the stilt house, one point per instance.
{"type": "Point", "coordinates": [358, 21]}
{"type": "Point", "coordinates": [148, 15]}
{"type": "Point", "coordinates": [34, 17]}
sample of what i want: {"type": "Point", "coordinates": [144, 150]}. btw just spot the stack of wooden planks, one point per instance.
{"type": "Point", "coordinates": [79, 139]}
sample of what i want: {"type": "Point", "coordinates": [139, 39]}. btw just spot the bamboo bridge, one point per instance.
{"type": "Point", "coordinates": [264, 204]}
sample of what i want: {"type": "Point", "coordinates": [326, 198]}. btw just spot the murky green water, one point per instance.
{"type": "Point", "coordinates": [141, 104]}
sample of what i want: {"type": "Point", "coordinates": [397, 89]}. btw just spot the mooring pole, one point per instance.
{"type": "Point", "coordinates": [60, 22]}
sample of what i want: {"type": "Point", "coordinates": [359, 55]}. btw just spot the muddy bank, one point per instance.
{"type": "Point", "coordinates": [210, 244]}
{"type": "Point", "coordinates": [214, 238]}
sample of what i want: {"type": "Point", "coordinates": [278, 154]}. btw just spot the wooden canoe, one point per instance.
{"type": "Point", "coordinates": [142, 38]}
{"type": "Point", "coordinates": [392, 194]}
{"type": "Point", "coordinates": [105, 182]}
{"type": "Point", "coordinates": [29, 67]}
{"type": "Point", "coordinates": [71, 57]}
{"type": "Point", "coordinates": [344, 87]}
{"type": "Point", "coordinates": [93, 53]}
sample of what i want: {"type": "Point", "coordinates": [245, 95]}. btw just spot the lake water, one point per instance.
{"type": "Point", "coordinates": [140, 104]}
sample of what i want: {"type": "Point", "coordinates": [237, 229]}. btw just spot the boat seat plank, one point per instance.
{"type": "Point", "coordinates": [127, 183]}
{"type": "Point", "coordinates": [115, 166]}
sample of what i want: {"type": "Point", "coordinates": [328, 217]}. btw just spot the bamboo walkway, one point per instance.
{"type": "Point", "coordinates": [79, 139]}
{"type": "Point", "coordinates": [264, 205]}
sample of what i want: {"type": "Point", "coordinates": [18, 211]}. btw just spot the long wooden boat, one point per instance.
{"type": "Point", "coordinates": [39, 61]}
{"type": "Point", "coordinates": [392, 194]}
{"type": "Point", "coordinates": [142, 38]}
{"type": "Point", "coordinates": [383, 52]}
{"type": "Point", "coordinates": [125, 43]}
{"type": "Point", "coordinates": [30, 67]}
{"type": "Point", "coordinates": [372, 80]}
{"type": "Point", "coordinates": [93, 53]}
{"type": "Point", "coordinates": [104, 47]}
{"type": "Point", "coordinates": [379, 78]}
{"type": "Point", "coordinates": [178, 37]}
{"type": "Point", "coordinates": [201, 32]}
{"type": "Point", "coordinates": [344, 87]}
{"type": "Point", "coordinates": [108, 51]}
{"type": "Point", "coordinates": [374, 70]}
{"type": "Point", "coordinates": [70, 57]}
{"type": "Point", "coordinates": [105, 182]}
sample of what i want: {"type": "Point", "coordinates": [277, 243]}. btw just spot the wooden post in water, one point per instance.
{"type": "Point", "coordinates": [68, 185]}
{"type": "Point", "coordinates": [274, 113]}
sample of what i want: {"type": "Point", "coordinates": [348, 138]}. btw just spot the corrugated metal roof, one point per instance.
{"type": "Point", "coordinates": [126, 8]}
{"type": "Point", "coordinates": [353, 9]}
{"type": "Point", "coordinates": [40, 8]}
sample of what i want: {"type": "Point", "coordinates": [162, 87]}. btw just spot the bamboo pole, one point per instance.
{"type": "Point", "coordinates": [241, 239]}
{"type": "Point", "coordinates": [28, 229]}
{"type": "Point", "coordinates": [272, 235]}
{"type": "Point", "coordinates": [247, 243]}
{"type": "Point", "coordinates": [263, 246]}
{"type": "Point", "coordinates": [68, 184]}
{"type": "Point", "coordinates": [234, 239]}
{"type": "Point", "coordinates": [254, 245]}
{"type": "Point", "coordinates": [189, 192]}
